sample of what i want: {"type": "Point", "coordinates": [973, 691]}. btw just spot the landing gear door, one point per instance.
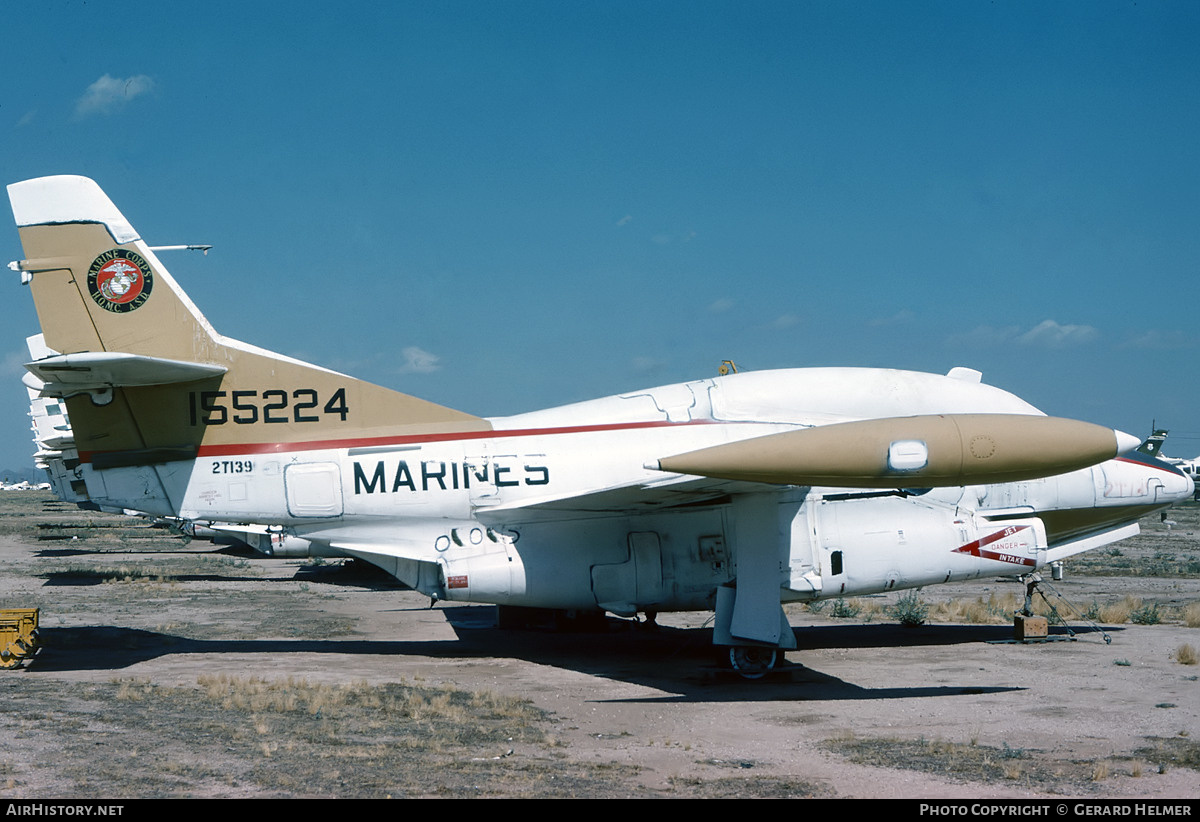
{"type": "Point", "coordinates": [478, 476]}
{"type": "Point", "coordinates": [637, 583]}
{"type": "Point", "coordinates": [1156, 489]}
{"type": "Point", "coordinates": [804, 571]}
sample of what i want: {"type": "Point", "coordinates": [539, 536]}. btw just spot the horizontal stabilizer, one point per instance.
{"type": "Point", "coordinates": [90, 371]}
{"type": "Point", "coordinates": [910, 452]}
{"type": "Point", "coordinates": [1063, 550]}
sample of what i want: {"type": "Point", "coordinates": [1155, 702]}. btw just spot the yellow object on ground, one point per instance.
{"type": "Point", "coordinates": [19, 642]}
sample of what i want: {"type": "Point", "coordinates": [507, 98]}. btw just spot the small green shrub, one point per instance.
{"type": "Point", "coordinates": [1012, 753]}
{"type": "Point", "coordinates": [910, 610]}
{"type": "Point", "coordinates": [1146, 615]}
{"type": "Point", "coordinates": [845, 610]}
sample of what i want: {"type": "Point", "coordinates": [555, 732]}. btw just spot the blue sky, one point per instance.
{"type": "Point", "coordinates": [504, 206]}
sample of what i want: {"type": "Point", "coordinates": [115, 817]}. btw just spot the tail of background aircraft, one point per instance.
{"type": "Point", "coordinates": [1152, 445]}
{"type": "Point", "coordinates": [147, 379]}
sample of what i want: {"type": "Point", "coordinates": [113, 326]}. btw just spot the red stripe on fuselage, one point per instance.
{"type": "Point", "coordinates": [1151, 462]}
{"type": "Point", "coordinates": [414, 439]}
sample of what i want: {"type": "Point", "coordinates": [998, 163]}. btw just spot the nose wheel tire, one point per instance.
{"type": "Point", "coordinates": [753, 661]}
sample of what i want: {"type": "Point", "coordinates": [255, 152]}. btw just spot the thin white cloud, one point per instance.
{"type": "Point", "coordinates": [720, 305]}
{"type": "Point", "coordinates": [643, 365]}
{"type": "Point", "coordinates": [13, 364]}
{"type": "Point", "coordinates": [785, 321]}
{"type": "Point", "coordinates": [626, 220]}
{"type": "Point", "coordinates": [899, 318]}
{"type": "Point", "coordinates": [1156, 340]}
{"type": "Point", "coordinates": [108, 94]}
{"type": "Point", "coordinates": [418, 361]}
{"type": "Point", "coordinates": [1046, 334]}
{"type": "Point", "coordinates": [668, 239]}
{"type": "Point", "coordinates": [27, 118]}
{"type": "Point", "coordinates": [1049, 334]}
{"type": "Point", "coordinates": [982, 336]}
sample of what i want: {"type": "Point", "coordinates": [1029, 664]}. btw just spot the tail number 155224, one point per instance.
{"type": "Point", "coordinates": [272, 405]}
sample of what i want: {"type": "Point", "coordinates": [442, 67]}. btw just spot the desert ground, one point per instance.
{"type": "Point", "coordinates": [186, 669]}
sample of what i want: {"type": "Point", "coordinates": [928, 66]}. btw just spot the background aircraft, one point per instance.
{"type": "Point", "coordinates": [733, 494]}
{"type": "Point", "coordinates": [1152, 447]}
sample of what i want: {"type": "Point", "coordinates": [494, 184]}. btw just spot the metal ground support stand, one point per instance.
{"type": "Point", "coordinates": [1082, 615]}
{"type": "Point", "coordinates": [1033, 585]}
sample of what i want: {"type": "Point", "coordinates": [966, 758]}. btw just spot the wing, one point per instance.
{"type": "Point", "coordinates": [892, 452]}
{"type": "Point", "coordinates": [672, 491]}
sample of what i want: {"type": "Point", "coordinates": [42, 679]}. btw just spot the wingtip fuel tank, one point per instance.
{"type": "Point", "coordinates": [912, 452]}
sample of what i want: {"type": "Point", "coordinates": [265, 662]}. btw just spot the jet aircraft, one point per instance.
{"type": "Point", "coordinates": [734, 494]}
{"type": "Point", "coordinates": [1152, 447]}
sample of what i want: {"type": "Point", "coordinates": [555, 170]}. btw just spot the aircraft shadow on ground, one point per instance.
{"type": "Point", "coordinates": [680, 662]}
{"type": "Point", "coordinates": [86, 578]}
{"type": "Point", "coordinates": [361, 576]}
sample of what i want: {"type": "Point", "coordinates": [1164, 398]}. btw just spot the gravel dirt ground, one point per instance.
{"type": "Point", "coordinates": [176, 669]}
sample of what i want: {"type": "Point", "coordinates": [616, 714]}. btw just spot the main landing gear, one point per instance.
{"type": "Point", "coordinates": [753, 661]}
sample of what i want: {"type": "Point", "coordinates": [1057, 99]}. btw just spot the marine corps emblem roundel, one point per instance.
{"type": "Point", "coordinates": [120, 280]}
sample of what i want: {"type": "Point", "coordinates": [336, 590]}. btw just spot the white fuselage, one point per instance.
{"type": "Point", "coordinates": [558, 508]}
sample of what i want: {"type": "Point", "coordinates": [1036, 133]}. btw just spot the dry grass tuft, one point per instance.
{"type": "Point", "coordinates": [1186, 655]}
{"type": "Point", "coordinates": [995, 610]}
{"type": "Point", "coordinates": [133, 690]}
{"type": "Point", "coordinates": [1118, 613]}
{"type": "Point", "coordinates": [292, 695]}
{"type": "Point", "coordinates": [1191, 615]}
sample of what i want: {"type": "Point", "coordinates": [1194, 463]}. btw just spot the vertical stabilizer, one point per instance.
{"type": "Point", "coordinates": [148, 379]}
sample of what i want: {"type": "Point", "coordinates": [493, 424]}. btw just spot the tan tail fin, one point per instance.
{"type": "Point", "coordinates": [148, 379]}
